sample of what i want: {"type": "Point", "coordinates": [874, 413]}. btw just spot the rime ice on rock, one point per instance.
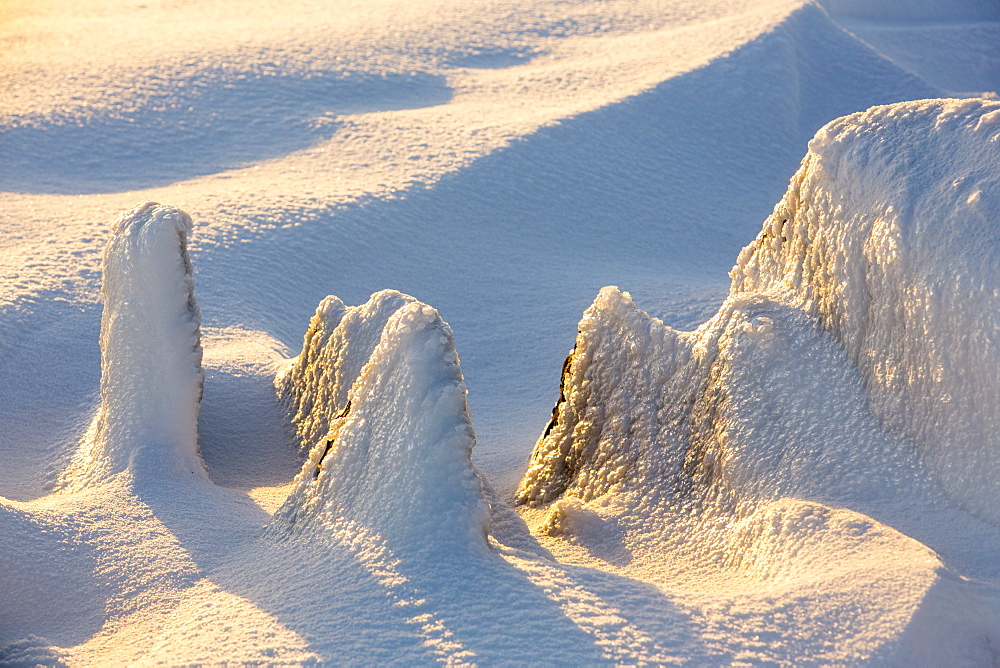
{"type": "Point", "coordinates": [857, 352]}
{"type": "Point", "coordinates": [385, 380]}
{"type": "Point", "coordinates": [617, 382]}
{"type": "Point", "coordinates": [890, 236]}
{"type": "Point", "coordinates": [339, 341]}
{"type": "Point", "coordinates": [151, 375]}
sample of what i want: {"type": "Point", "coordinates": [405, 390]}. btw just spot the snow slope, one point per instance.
{"type": "Point", "coordinates": [501, 161]}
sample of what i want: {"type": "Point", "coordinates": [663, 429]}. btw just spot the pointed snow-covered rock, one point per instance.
{"type": "Point", "coordinates": [397, 457]}
{"type": "Point", "coordinates": [151, 375]}
{"type": "Point", "coordinates": [339, 341]}
{"type": "Point", "coordinates": [616, 394]}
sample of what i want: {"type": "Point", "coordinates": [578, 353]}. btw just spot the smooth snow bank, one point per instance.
{"type": "Point", "coordinates": [151, 375]}
{"type": "Point", "coordinates": [383, 380]}
{"type": "Point", "coordinates": [862, 321]}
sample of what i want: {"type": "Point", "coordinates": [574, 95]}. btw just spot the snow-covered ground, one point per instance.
{"type": "Point", "coordinates": [794, 465]}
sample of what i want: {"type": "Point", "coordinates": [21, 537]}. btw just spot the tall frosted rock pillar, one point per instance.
{"type": "Point", "coordinates": [151, 375]}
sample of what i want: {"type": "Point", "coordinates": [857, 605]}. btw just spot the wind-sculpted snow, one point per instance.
{"type": "Point", "coordinates": [151, 376]}
{"type": "Point", "coordinates": [742, 494]}
{"type": "Point", "coordinates": [889, 236]}
{"type": "Point", "coordinates": [862, 319]}
{"type": "Point", "coordinates": [381, 386]}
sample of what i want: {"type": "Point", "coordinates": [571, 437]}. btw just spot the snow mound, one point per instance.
{"type": "Point", "coordinates": [889, 237]}
{"type": "Point", "coordinates": [384, 380]}
{"type": "Point", "coordinates": [151, 375]}
{"type": "Point", "coordinates": [860, 323]}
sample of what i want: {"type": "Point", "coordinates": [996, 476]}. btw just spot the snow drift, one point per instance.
{"type": "Point", "coordinates": [854, 358]}
{"type": "Point", "coordinates": [151, 375]}
{"type": "Point", "coordinates": [378, 396]}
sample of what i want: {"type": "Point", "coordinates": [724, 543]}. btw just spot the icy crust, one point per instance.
{"type": "Point", "coordinates": [889, 235]}
{"type": "Point", "coordinates": [151, 375]}
{"type": "Point", "coordinates": [855, 356]}
{"type": "Point", "coordinates": [396, 459]}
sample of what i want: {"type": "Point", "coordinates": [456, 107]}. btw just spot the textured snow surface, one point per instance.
{"type": "Point", "coordinates": [844, 391]}
{"type": "Point", "coordinates": [805, 477]}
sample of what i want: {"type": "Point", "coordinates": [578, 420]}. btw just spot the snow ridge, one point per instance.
{"type": "Point", "coordinates": [151, 375]}
{"type": "Point", "coordinates": [859, 324]}
{"type": "Point", "coordinates": [397, 455]}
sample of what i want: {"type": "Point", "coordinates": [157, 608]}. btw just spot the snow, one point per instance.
{"type": "Point", "coordinates": [797, 473]}
{"type": "Point", "coordinates": [394, 455]}
{"type": "Point", "coordinates": [916, 10]}
{"type": "Point", "coordinates": [903, 274]}
{"type": "Point", "coordinates": [151, 376]}
{"type": "Point", "coordinates": [840, 395]}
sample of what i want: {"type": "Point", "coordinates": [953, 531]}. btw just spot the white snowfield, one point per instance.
{"type": "Point", "coordinates": [794, 466]}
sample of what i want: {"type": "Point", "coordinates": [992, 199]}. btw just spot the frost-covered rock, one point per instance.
{"type": "Point", "coordinates": [618, 393]}
{"type": "Point", "coordinates": [855, 357]}
{"type": "Point", "coordinates": [339, 341]}
{"type": "Point", "coordinates": [384, 379]}
{"type": "Point", "coordinates": [151, 375]}
{"type": "Point", "coordinates": [889, 235]}
{"type": "Point", "coordinates": [757, 404]}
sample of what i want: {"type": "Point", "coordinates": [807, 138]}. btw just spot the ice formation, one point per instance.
{"type": "Point", "coordinates": [854, 357]}
{"type": "Point", "coordinates": [151, 375]}
{"type": "Point", "coordinates": [339, 341]}
{"type": "Point", "coordinates": [889, 237]}
{"type": "Point", "coordinates": [381, 386]}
